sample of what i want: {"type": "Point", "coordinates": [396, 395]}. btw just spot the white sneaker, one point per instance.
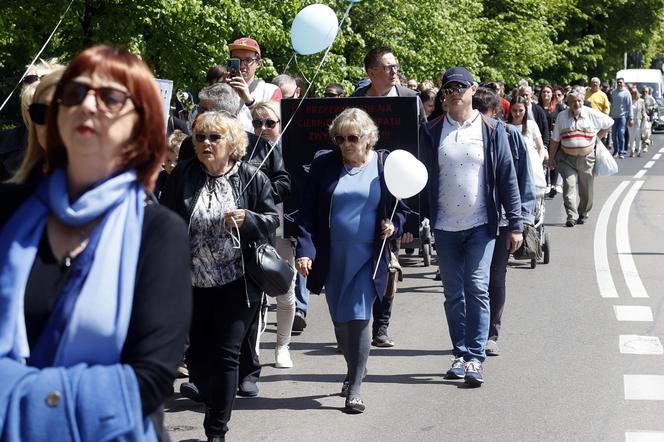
{"type": "Point", "coordinates": [282, 358]}
{"type": "Point", "coordinates": [559, 189]}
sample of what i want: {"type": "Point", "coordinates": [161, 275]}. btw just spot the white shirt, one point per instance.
{"type": "Point", "coordinates": [462, 181]}
{"type": "Point", "coordinates": [263, 92]}
{"type": "Point", "coordinates": [579, 132]}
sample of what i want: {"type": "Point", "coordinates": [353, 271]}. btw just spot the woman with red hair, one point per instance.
{"type": "Point", "coordinates": [94, 276]}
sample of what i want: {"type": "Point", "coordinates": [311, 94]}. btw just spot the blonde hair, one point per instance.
{"type": "Point", "coordinates": [229, 127]}
{"type": "Point", "coordinates": [357, 119]}
{"type": "Point", "coordinates": [34, 152]}
{"type": "Point", "coordinates": [175, 141]}
{"type": "Point", "coordinates": [43, 68]}
{"type": "Point", "coordinates": [266, 106]}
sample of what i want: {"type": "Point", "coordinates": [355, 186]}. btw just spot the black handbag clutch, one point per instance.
{"type": "Point", "coordinates": [531, 248]}
{"type": "Point", "coordinates": [271, 273]}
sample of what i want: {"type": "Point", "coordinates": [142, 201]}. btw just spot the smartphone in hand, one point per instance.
{"type": "Point", "coordinates": [233, 66]}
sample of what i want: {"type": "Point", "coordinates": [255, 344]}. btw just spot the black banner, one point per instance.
{"type": "Point", "coordinates": [307, 137]}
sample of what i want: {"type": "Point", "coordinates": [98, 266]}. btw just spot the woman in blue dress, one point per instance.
{"type": "Point", "coordinates": [344, 218]}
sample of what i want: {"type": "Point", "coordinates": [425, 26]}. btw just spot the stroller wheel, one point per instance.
{"type": "Point", "coordinates": [546, 248]}
{"type": "Point", "coordinates": [533, 263]}
{"type": "Point", "coordinates": [426, 254]}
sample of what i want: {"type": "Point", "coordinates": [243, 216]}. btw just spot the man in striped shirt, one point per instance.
{"type": "Point", "coordinates": [576, 131]}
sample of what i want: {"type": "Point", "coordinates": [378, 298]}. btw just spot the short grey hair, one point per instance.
{"type": "Point", "coordinates": [223, 98]}
{"type": "Point", "coordinates": [576, 92]}
{"type": "Point", "coordinates": [356, 119]}
{"type": "Point", "coordinates": [283, 80]}
{"type": "Point", "coordinates": [595, 79]}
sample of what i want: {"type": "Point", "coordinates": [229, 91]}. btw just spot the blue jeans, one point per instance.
{"type": "Point", "coordinates": [464, 259]}
{"type": "Point", "coordinates": [301, 294]}
{"type": "Point", "coordinates": [618, 134]}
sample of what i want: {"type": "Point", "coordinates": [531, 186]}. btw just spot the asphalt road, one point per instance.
{"type": "Point", "coordinates": [562, 375]}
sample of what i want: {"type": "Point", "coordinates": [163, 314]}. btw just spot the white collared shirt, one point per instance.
{"type": "Point", "coordinates": [461, 181]}
{"type": "Point", "coordinates": [579, 132]}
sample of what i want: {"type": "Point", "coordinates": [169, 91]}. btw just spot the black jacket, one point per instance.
{"type": "Point", "coordinates": [274, 166]}
{"type": "Point", "coordinates": [541, 118]}
{"type": "Point", "coordinates": [185, 183]}
{"type": "Point", "coordinates": [401, 92]}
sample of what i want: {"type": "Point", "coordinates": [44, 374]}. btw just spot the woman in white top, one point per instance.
{"type": "Point", "coordinates": [266, 123]}
{"type": "Point", "coordinates": [639, 112]}
{"type": "Point", "coordinates": [536, 152]}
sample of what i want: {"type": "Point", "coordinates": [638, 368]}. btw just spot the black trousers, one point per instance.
{"type": "Point", "coordinates": [382, 312]}
{"type": "Point", "coordinates": [250, 364]}
{"type": "Point", "coordinates": [497, 283]}
{"type": "Point", "coordinates": [220, 321]}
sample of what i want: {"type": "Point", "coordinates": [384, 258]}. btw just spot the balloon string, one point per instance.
{"type": "Point", "coordinates": [288, 64]}
{"type": "Point", "coordinates": [2, 106]}
{"type": "Point", "coordinates": [382, 246]}
{"type": "Point", "coordinates": [300, 71]}
{"type": "Point", "coordinates": [299, 104]}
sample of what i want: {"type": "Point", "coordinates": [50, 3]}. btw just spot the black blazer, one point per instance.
{"type": "Point", "coordinates": [540, 117]}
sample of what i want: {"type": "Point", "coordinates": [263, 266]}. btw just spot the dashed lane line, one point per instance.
{"type": "Point", "coordinates": [644, 436]}
{"type": "Point", "coordinates": [640, 345]}
{"type": "Point", "coordinates": [657, 156]}
{"type": "Point", "coordinates": [640, 174]}
{"type": "Point", "coordinates": [644, 387]}
{"type": "Point", "coordinates": [624, 248]}
{"type": "Point", "coordinates": [607, 288]}
{"type": "Point", "coordinates": [636, 313]}
{"type": "Point", "coordinates": [649, 164]}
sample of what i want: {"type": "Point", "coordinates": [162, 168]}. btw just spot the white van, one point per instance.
{"type": "Point", "coordinates": [644, 77]}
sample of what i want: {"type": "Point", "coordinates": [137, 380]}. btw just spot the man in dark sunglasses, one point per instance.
{"type": "Point", "coordinates": [471, 180]}
{"type": "Point", "coordinates": [334, 90]}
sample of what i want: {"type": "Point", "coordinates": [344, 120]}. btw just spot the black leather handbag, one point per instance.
{"type": "Point", "coordinates": [271, 273]}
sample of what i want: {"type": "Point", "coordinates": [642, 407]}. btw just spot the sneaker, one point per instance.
{"type": "Point", "coordinates": [570, 223]}
{"type": "Point", "coordinates": [581, 220]}
{"type": "Point", "coordinates": [457, 370]}
{"type": "Point", "coordinates": [345, 387]}
{"type": "Point", "coordinates": [382, 341]}
{"type": "Point", "coordinates": [190, 391]}
{"type": "Point", "coordinates": [553, 192]}
{"type": "Point", "coordinates": [282, 357]}
{"type": "Point", "coordinates": [247, 389]}
{"type": "Point", "coordinates": [474, 373]}
{"type": "Point", "coordinates": [491, 348]}
{"type": "Point", "coordinates": [621, 156]}
{"type": "Point", "coordinates": [559, 189]}
{"type": "Point", "coordinates": [183, 371]}
{"type": "Point", "coordinates": [354, 405]}
{"type": "Point", "coordinates": [299, 322]}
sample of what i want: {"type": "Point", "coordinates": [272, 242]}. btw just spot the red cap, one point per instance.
{"type": "Point", "coordinates": [245, 43]}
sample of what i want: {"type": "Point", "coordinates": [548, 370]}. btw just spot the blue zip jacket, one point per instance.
{"type": "Point", "coordinates": [313, 239]}
{"type": "Point", "coordinates": [501, 183]}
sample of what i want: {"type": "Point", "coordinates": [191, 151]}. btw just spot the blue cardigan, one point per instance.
{"type": "Point", "coordinates": [502, 187]}
{"type": "Point", "coordinates": [313, 240]}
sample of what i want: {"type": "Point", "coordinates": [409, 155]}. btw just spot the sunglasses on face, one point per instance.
{"type": "Point", "coordinates": [109, 99]}
{"type": "Point", "coordinates": [201, 137]}
{"type": "Point", "coordinates": [38, 112]}
{"type": "Point", "coordinates": [353, 139]}
{"type": "Point", "coordinates": [29, 79]}
{"type": "Point", "coordinates": [331, 95]}
{"type": "Point", "coordinates": [258, 123]}
{"type": "Point", "coordinates": [455, 90]}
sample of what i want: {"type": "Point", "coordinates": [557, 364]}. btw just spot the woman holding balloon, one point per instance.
{"type": "Point", "coordinates": [344, 218]}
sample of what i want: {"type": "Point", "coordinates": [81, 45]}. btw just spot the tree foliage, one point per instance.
{"type": "Point", "coordinates": [555, 40]}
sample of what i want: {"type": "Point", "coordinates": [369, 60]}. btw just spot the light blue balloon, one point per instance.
{"type": "Point", "coordinates": [314, 29]}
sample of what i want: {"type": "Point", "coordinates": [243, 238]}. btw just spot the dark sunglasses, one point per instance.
{"type": "Point", "coordinates": [38, 112]}
{"type": "Point", "coordinates": [201, 137]}
{"type": "Point", "coordinates": [354, 139]}
{"type": "Point", "coordinates": [258, 123]}
{"type": "Point", "coordinates": [455, 90]}
{"type": "Point", "coordinates": [331, 95]}
{"type": "Point", "coordinates": [109, 99]}
{"type": "Point", "coordinates": [29, 79]}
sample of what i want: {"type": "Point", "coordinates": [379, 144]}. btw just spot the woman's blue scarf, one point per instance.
{"type": "Point", "coordinates": [95, 330]}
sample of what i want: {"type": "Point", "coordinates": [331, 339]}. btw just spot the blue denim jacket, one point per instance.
{"type": "Point", "coordinates": [502, 188]}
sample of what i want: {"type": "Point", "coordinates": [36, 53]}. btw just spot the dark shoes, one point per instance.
{"type": "Point", "coordinates": [247, 389]}
{"type": "Point", "coordinates": [299, 322]}
{"type": "Point", "coordinates": [354, 405]}
{"type": "Point", "coordinates": [581, 220]}
{"type": "Point", "coordinates": [570, 223]}
{"type": "Point", "coordinates": [345, 387]}
{"type": "Point", "coordinates": [457, 370]}
{"type": "Point", "coordinates": [190, 391]}
{"type": "Point", "coordinates": [382, 341]}
{"type": "Point", "coordinates": [437, 275]}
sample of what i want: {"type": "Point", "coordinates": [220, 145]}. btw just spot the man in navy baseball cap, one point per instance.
{"type": "Point", "coordinates": [457, 75]}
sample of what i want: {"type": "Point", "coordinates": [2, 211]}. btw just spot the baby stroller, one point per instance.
{"type": "Point", "coordinates": [542, 235]}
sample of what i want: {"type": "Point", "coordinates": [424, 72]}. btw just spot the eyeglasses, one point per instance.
{"type": "Point", "coordinates": [201, 137]}
{"type": "Point", "coordinates": [248, 61]}
{"type": "Point", "coordinates": [258, 123]}
{"type": "Point", "coordinates": [109, 99]}
{"type": "Point", "coordinates": [455, 90]}
{"type": "Point", "coordinates": [331, 95]}
{"type": "Point", "coordinates": [388, 67]}
{"type": "Point", "coordinates": [29, 79]}
{"type": "Point", "coordinates": [38, 112]}
{"type": "Point", "coordinates": [353, 139]}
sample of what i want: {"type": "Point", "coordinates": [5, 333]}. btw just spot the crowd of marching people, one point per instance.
{"type": "Point", "coordinates": [126, 250]}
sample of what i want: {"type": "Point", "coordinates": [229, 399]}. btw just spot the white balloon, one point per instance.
{"type": "Point", "coordinates": [405, 175]}
{"type": "Point", "coordinates": [314, 29]}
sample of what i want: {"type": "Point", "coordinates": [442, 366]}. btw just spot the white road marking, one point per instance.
{"type": "Point", "coordinates": [644, 436]}
{"type": "Point", "coordinates": [640, 345]}
{"type": "Point", "coordinates": [661, 150]}
{"type": "Point", "coordinates": [640, 173]}
{"type": "Point", "coordinates": [644, 387]}
{"type": "Point", "coordinates": [607, 289]}
{"type": "Point", "coordinates": [639, 313]}
{"type": "Point", "coordinates": [657, 156]}
{"type": "Point", "coordinates": [649, 164]}
{"type": "Point", "coordinates": [623, 247]}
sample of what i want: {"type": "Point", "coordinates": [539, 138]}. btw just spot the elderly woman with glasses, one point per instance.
{"type": "Point", "coordinates": [345, 216]}
{"type": "Point", "coordinates": [227, 204]}
{"type": "Point", "coordinates": [94, 304]}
